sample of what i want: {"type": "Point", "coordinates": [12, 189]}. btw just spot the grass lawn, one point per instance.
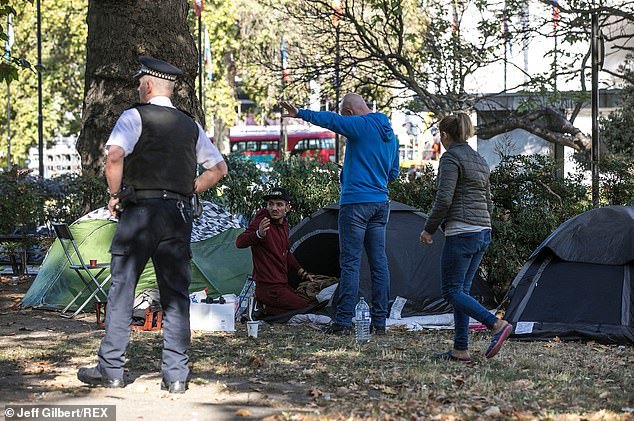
{"type": "Point", "coordinates": [392, 377]}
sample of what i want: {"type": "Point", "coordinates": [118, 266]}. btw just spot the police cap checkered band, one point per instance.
{"type": "Point", "coordinates": [157, 68]}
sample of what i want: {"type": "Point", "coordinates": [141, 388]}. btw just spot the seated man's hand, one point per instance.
{"type": "Point", "coordinates": [304, 275]}
{"type": "Point", "coordinates": [264, 226]}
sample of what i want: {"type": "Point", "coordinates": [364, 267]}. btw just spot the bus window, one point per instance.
{"type": "Point", "coordinates": [268, 145]}
{"type": "Point", "coordinates": [313, 144]}
{"type": "Point", "coordinates": [238, 146]}
{"type": "Point", "coordinates": [301, 145]}
{"type": "Point", "coordinates": [252, 146]}
{"type": "Point", "coordinates": [328, 143]}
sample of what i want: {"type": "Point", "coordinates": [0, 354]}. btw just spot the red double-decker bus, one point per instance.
{"type": "Point", "coordinates": [261, 143]}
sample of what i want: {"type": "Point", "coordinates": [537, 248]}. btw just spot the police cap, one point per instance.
{"type": "Point", "coordinates": [157, 68]}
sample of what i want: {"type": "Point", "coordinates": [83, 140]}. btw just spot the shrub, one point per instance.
{"type": "Point", "coordinates": [530, 202]}
{"type": "Point", "coordinates": [419, 193]}
{"type": "Point", "coordinates": [22, 206]}
{"type": "Point", "coordinates": [240, 191]}
{"type": "Point", "coordinates": [312, 185]}
{"type": "Point", "coordinates": [617, 180]}
{"type": "Point", "coordinates": [69, 197]}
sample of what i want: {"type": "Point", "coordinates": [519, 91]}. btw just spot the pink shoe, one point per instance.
{"type": "Point", "coordinates": [498, 339]}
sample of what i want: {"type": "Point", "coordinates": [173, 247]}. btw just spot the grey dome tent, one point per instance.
{"type": "Point", "coordinates": [414, 268]}
{"type": "Point", "coordinates": [579, 282]}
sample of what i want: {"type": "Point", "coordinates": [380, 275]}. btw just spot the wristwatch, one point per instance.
{"type": "Point", "coordinates": [114, 195]}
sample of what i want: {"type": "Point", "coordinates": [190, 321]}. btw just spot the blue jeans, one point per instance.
{"type": "Point", "coordinates": [362, 225]}
{"type": "Point", "coordinates": [461, 257]}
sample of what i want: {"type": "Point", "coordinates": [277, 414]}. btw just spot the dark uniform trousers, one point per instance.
{"type": "Point", "coordinates": [157, 229]}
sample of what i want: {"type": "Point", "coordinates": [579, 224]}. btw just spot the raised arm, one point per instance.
{"type": "Point", "coordinates": [250, 236]}
{"type": "Point", "coordinates": [344, 125]}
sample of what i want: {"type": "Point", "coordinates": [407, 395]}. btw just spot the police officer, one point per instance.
{"type": "Point", "coordinates": [151, 170]}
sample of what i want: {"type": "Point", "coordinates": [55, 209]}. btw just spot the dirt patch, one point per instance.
{"type": "Point", "coordinates": [298, 373]}
{"type": "Point", "coordinates": [40, 353]}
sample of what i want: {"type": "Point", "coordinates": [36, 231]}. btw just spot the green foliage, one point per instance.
{"type": "Point", "coordinates": [530, 202]}
{"type": "Point", "coordinates": [241, 190]}
{"type": "Point", "coordinates": [69, 197]}
{"type": "Point", "coordinates": [617, 180]}
{"type": "Point", "coordinates": [22, 204]}
{"type": "Point", "coordinates": [311, 185]}
{"type": "Point", "coordinates": [64, 31]}
{"type": "Point", "coordinates": [32, 202]}
{"type": "Point", "coordinates": [616, 129]}
{"type": "Point", "coordinates": [419, 193]}
{"type": "Point", "coordinates": [9, 69]}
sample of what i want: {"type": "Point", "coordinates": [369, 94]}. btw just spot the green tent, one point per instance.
{"type": "Point", "coordinates": [216, 262]}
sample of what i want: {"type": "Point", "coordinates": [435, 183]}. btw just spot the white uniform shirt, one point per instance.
{"type": "Point", "coordinates": [127, 131]}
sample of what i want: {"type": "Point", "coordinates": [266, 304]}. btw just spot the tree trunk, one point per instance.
{"type": "Point", "coordinates": [118, 32]}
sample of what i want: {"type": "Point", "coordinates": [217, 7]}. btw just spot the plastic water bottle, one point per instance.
{"type": "Point", "coordinates": [362, 321]}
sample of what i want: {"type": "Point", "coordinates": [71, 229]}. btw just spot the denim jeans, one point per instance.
{"type": "Point", "coordinates": [362, 225]}
{"type": "Point", "coordinates": [461, 257]}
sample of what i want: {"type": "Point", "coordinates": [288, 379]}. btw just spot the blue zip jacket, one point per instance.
{"type": "Point", "coordinates": [371, 159]}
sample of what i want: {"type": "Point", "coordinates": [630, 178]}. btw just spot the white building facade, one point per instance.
{"type": "Point", "coordinates": [59, 159]}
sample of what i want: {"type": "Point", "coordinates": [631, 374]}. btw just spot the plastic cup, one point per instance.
{"type": "Point", "coordinates": [252, 329]}
{"type": "Point", "coordinates": [93, 262]}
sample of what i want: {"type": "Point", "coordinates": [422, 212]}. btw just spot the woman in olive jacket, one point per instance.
{"type": "Point", "coordinates": [463, 206]}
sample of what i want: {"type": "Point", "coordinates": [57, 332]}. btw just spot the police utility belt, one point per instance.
{"type": "Point", "coordinates": [129, 195]}
{"type": "Point", "coordinates": [161, 194]}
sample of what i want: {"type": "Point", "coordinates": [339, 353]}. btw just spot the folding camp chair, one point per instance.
{"type": "Point", "coordinates": [88, 274]}
{"type": "Point", "coordinates": [246, 298]}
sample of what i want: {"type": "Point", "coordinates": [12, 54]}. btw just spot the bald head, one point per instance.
{"type": "Point", "coordinates": [354, 104]}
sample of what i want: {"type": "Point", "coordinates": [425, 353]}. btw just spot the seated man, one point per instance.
{"type": "Point", "coordinates": [267, 235]}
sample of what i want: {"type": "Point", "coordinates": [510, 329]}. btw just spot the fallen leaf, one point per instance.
{"type": "Point", "coordinates": [315, 393]}
{"type": "Point", "coordinates": [243, 413]}
{"type": "Point", "coordinates": [388, 390]}
{"type": "Point", "coordinates": [256, 361]}
{"type": "Point", "coordinates": [458, 380]}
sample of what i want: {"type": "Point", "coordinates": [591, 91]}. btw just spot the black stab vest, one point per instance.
{"type": "Point", "coordinates": [164, 158]}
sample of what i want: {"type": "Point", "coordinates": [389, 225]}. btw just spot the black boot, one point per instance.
{"type": "Point", "coordinates": [178, 386]}
{"type": "Point", "coordinates": [93, 377]}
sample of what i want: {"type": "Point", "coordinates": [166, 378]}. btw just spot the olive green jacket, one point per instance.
{"type": "Point", "coordinates": [464, 193]}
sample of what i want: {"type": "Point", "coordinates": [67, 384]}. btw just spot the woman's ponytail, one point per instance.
{"type": "Point", "coordinates": [458, 126]}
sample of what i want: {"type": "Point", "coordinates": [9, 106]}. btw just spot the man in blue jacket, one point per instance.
{"type": "Point", "coordinates": [370, 162]}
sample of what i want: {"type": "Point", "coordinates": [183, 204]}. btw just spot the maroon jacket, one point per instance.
{"type": "Point", "coordinates": [271, 259]}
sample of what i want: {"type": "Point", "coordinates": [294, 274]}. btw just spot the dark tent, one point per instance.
{"type": "Point", "coordinates": [578, 283]}
{"type": "Point", "coordinates": [414, 268]}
